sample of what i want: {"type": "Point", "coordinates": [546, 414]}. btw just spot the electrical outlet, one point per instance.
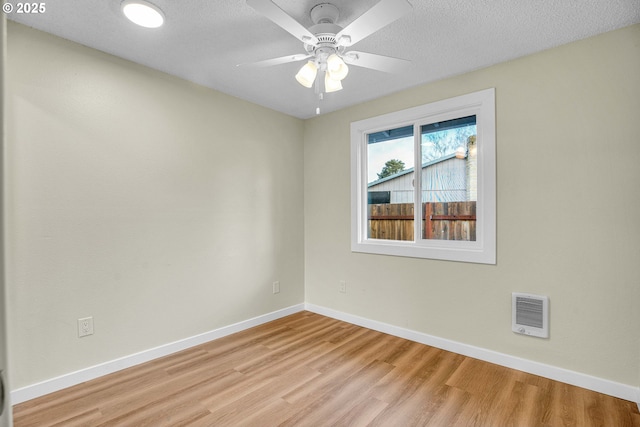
{"type": "Point", "coordinates": [276, 287]}
{"type": "Point", "coordinates": [85, 327]}
{"type": "Point", "coordinates": [343, 287]}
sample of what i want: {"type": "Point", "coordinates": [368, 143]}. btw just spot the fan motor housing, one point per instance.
{"type": "Point", "coordinates": [324, 16]}
{"type": "Point", "coordinates": [326, 33]}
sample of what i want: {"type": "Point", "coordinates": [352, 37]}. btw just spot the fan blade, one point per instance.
{"type": "Point", "coordinates": [380, 15]}
{"type": "Point", "coordinates": [275, 61]}
{"type": "Point", "coordinates": [284, 20]}
{"type": "Point", "coordinates": [376, 62]}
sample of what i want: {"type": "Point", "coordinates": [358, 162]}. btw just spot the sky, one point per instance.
{"type": "Point", "coordinates": [381, 152]}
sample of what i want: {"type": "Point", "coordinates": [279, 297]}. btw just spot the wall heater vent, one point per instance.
{"type": "Point", "coordinates": [530, 314]}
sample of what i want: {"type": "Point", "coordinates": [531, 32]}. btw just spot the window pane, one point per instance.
{"type": "Point", "coordinates": [390, 161]}
{"type": "Point", "coordinates": [449, 179]}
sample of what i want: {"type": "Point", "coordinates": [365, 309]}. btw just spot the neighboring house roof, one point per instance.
{"type": "Point", "coordinates": [410, 170]}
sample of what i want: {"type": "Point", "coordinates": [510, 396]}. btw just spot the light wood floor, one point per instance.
{"type": "Point", "coordinates": [311, 370]}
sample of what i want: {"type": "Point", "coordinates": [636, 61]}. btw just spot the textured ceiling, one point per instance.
{"type": "Point", "coordinates": [203, 40]}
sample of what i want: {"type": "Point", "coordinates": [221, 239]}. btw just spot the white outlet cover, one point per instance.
{"type": "Point", "coordinates": [85, 327]}
{"type": "Point", "coordinates": [343, 286]}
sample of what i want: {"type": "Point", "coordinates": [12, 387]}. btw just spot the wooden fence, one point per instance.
{"type": "Point", "coordinates": [440, 220]}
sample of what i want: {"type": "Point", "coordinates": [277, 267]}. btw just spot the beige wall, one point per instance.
{"type": "Point", "coordinates": [568, 144]}
{"type": "Point", "coordinates": [160, 208]}
{"type": "Point", "coordinates": [5, 413]}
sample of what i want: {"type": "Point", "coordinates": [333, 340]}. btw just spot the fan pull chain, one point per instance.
{"type": "Point", "coordinates": [320, 98]}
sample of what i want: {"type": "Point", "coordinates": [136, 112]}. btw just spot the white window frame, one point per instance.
{"type": "Point", "coordinates": [483, 249]}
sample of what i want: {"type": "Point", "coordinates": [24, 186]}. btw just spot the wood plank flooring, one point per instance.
{"type": "Point", "coordinates": [310, 370]}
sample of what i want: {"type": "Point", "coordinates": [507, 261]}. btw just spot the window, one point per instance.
{"type": "Point", "coordinates": [423, 181]}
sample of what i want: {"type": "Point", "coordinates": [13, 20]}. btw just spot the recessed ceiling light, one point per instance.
{"type": "Point", "coordinates": [143, 13]}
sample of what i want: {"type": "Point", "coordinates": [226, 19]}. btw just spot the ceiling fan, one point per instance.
{"type": "Point", "coordinates": [326, 43]}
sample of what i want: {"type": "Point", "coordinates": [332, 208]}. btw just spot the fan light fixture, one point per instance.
{"type": "Point", "coordinates": [330, 84]}
{"type": "Point", "coordinates": [336, 70]}
{"type": "Point", "coordinates": [143, 13]}
{"type": "Point", "coordinates": [307, 74]}
{"type": "Point", "coordinates": [336, 67]}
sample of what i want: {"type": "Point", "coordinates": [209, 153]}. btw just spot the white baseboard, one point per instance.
{"type": "Point", "coordinates": [589, 382]}
{"type": "Point", "coordinates": [49, 386]}
{"type": "Point", "coordinates": [600, 385]}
